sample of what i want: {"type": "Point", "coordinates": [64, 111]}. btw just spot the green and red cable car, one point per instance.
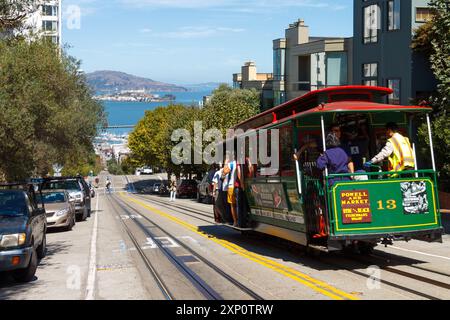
{"type": "Point", "coordinates": [297, 202]}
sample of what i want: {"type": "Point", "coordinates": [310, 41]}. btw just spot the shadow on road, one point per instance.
{"type": "Point", "coordinates": [10, 289]}
{"type": "Point", "coordinates": [279, 249]}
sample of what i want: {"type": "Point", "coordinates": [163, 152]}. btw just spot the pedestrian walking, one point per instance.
{"type": "Point", "coordinates": [173, 188]}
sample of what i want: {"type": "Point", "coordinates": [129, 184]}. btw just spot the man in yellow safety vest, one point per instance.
{"type": "Point", "coordinates": [397, 149]}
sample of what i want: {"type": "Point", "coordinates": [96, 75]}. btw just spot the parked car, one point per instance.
{"type": "Point", "coordinates": [206, 188]}
{"type": "Point", "coordinates": [59, 208]}
{"type": "Point", "coordinates": [78, 191]}
{"type": "Point", "coordinates": [164, 189]}
{"type": "Point", "coordinates": [187, 189]}
{"type": "Point", "coordinates": [156, 188]}
{"type": "Point", "coordinates": [91, 187]}
{"type": "Point", "coordinates": [147, 170]}
{"type": "Point", "coordinates": [23, 228]}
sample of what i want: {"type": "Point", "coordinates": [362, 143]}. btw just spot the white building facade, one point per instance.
{"type": "Point", "coordinates": [48, 20]}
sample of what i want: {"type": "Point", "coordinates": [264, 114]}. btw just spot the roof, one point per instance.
{"type": "Point", "coordinates": [312, 99]}
{"type": "Point", "coordinates": [348, 106]}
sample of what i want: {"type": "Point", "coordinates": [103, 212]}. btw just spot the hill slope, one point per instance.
{"type": "Point", "coordinates": [110, 81]}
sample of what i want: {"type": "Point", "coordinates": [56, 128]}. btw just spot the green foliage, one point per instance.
{"type": "Point", "coordinates": [151, 141]}
{"type": "Point", "coordinates": [228, 107]}
{"type": "Point", "coordinates": [114, 168]}
{"type": "Point", "coordinates": [128, 166]}
{"type": "Point", "coordinates": [433, 39]}
{"type": "Point", "coordinates": [14, 13]}
{"type": "Point", "coordinates": [83, 166]}
{"type": "Point", "coordinates": [48, 114]}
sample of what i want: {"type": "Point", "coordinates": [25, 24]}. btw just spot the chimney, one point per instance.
{"type": "Point", "coordinates": [249, 71]}
{"type": "Point", "coordinates": [298, 33]}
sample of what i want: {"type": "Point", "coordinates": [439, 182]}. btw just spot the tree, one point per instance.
{"type": "Point", "coordinates": [228, 107]}
{"type": "Point", "coordinates": [48, 114]}
{"type": "Point", "coordinates": [433, 39]}
{"type": "Point", "coordinates": [13, 14]}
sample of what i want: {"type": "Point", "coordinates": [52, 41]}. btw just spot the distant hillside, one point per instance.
{"type": "Point", "coordinates": [110, 81]}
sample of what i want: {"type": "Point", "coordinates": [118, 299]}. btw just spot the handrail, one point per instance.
{"type": "Point", "coordinates": [340, 175]}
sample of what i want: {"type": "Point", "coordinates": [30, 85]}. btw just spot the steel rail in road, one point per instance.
{"type": "Point", "coordinates": [365, 265]}
{"type": "Point", "coordinates": [225, 275]}
{"type": "Point", "coordinates": [180, 209]}
{"type": "Point", "coordinates": [308, 281]}
{"type": "Point", "coordinates": [208, 292]}
{"type": "Point", "coordinates": [173, 205]}
{"type": "Point", "coordinates": [159, 281]}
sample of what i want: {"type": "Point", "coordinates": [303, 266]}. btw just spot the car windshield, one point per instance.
{"type": "Point", "coordinates": [54, 197]}
{"type": "Point", "coordinates": [12, 204]}
{"type": "Point", "coordinates": [71, 185]}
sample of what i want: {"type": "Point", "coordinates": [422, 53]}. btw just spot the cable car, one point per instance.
{"type": "Point", "coordinates": [331, 212]}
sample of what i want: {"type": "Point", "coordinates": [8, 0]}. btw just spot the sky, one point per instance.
{"type": "Point", "coordinates": [191, 41]}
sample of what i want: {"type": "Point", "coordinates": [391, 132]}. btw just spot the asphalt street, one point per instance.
{"type": "Point", "coordinates": [140, 246]}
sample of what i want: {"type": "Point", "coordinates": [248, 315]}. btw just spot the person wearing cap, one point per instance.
{"type": "Point", "coordinates": [335, 159]}
{"type": "Point", "coordinates": [397, 150]}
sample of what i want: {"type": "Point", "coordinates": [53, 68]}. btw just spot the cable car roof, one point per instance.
{"type": "Point", "coordinates": [333, 99]}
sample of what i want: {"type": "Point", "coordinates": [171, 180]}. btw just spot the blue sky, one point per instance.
{"type": "Point", "coordinates": [192, 41]}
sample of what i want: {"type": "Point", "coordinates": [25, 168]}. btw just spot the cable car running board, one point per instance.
{"type": "Point", "coordinates": [233, 227]}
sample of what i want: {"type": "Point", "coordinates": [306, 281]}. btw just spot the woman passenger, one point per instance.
{"type": "Point", "coordinates": [335, 159]}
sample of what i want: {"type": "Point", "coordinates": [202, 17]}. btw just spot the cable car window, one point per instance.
{"type": "Point", "coordinates": [286, 151]}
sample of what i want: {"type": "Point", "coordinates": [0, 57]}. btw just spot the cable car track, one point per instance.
{"type": "Point", "coordinates": [358, 259]}
{"type": "Point", "coordinates": [160, 283]}
{"type": "Point", "coordinates": [207, 291]}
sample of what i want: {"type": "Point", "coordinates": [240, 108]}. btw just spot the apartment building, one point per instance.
{"type": "Point", "coordinates": [249, 78]}
{"type": "Point", "coordinates": [309, 63]}
{"type": "Point", "coordinates": [301, 63]}
{"type": "Point", "coordinates": [48, 20]}
{"type": "Point", "coordinates": [383, 31]}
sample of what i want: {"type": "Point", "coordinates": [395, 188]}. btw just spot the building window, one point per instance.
{"type": "Point", "coordinates": [50, 26]}
{"type": "Point", "coordinates": [336, 69]}
{"type": "Point", "coordinates": [279, 97]}
{"type": "Point", "coordinates": [48, 10]}
{"type": "Point", "coordinates": [279, 64]}
{"type": "Point", "coordinates": [371, 23]}
{"type": "Point", "coordinates": [394, 15]}
{"type": "Point", "coordinates": [370, 70]}
{"type": "Point", "coordinates": [370, 74]}
{"type": "Point", "coordinates": [394, 84]}
{"type": "Point", "coordinates": [371, 83]}
{"type": "Point", "coordinates": [423, 14]}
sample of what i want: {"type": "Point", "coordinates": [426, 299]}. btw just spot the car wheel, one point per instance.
{"type": "Point", "coordinates": [85, 214]}
{"type": "Point", "coordinates": [89, 213]}
{"type": "Point", "coordinates": [27, 274]}
{"type": "Point", "coordinates": [71, 224]}
{"type": "Point", "coordinates": [42, 249]}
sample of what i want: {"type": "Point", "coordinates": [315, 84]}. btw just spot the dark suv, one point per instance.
{"type": "Point", "coordinates": [187, 189]}
{"type": "Point", "coordinates": [23, 226]}
{"type": "Point", "coordinates": [78, 190]}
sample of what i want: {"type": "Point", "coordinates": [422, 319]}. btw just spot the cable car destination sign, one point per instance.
{"type": "Point", "coordinates": [355, 207]}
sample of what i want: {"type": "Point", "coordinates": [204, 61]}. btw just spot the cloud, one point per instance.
{"type": "Point", "coordinates": [191, 32]}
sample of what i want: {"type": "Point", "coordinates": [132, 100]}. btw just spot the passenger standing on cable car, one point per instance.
{"type": "Point", "coordinates": [218, 194]}
{"type": "Point", "coordinates": [397, 150]}
{"type": "Point", "coordinates": [230, 173]}
{"type": "Point", "coordinates": [335, 159]}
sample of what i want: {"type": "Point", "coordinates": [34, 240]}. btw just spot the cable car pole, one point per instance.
{"type": "Point", "coordinates": [431, 142]}
{"type": "Point", "coordinates": [323, 141]}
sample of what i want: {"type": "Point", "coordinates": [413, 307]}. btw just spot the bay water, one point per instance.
{"type": "Point", "coordinates": [129, 113]}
